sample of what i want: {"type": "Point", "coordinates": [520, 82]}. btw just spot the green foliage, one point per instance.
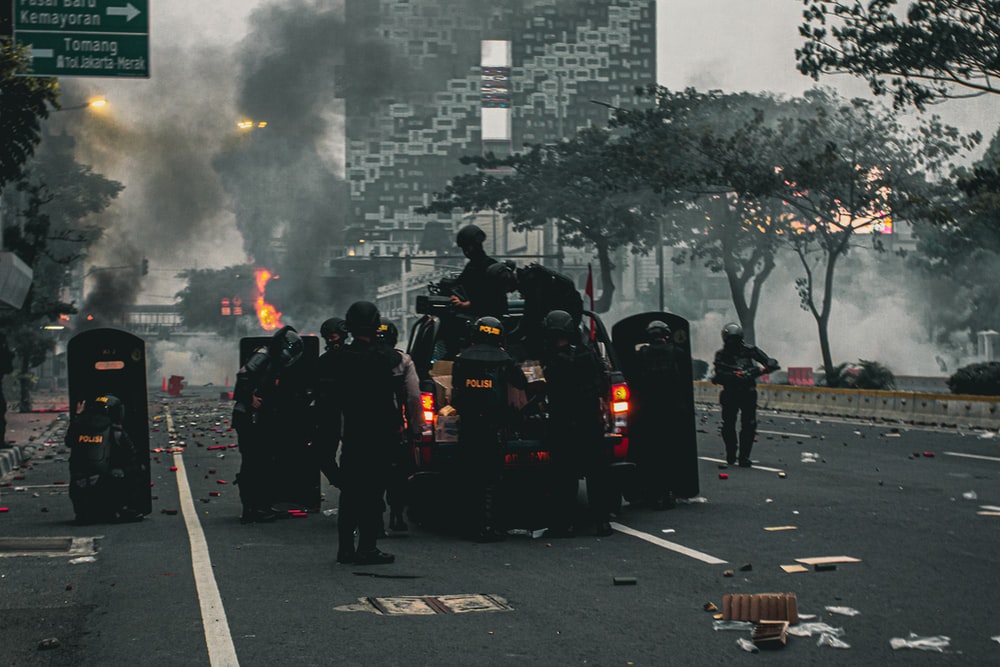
{"type": "Point", "coordinates": [23, 104]}
{"type": "Point", "coordinates": [942, 48]}
{"type": "Point", "coordinates": [958, 245]}
{"type": "Point", "coordinates": [578, 183]}
{"type": "Point", "coordinates": [982, 379]}
{"type": "Point", "coordinates": [862, 375]}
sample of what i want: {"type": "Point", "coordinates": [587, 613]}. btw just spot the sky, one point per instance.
{"type": "Point", "coordinates": [166, 130]}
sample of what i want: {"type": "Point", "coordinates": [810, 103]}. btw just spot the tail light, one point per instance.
{"type": "Point", "coordinates": [619, 406]}
{"type": "Point", "coordinates": [427, 405]}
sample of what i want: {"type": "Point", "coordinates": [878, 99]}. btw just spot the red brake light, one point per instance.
{"type": "Point", "coordinates": [619, 398]}
{"type": "Point", "coordinates": [427, 404]}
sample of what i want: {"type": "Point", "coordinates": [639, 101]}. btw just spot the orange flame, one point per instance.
{"type": "Point", "coordinates": [268, 316]}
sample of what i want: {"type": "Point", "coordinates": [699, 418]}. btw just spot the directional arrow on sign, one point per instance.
{"type": "Point", "coordinates": [128, 11]}
{"type": "Point", "coordinates": [41, 53]}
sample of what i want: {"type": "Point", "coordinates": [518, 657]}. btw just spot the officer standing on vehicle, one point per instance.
{"type": "Point", "coordinates": [575, 383]}
{"type": "Point", "coordinates": [481, 377]}
{"type": "Point", "coordinates": [263, 396]}
{"type": "Point", "coordinates": [407, 388]}
{"type": "Point", "coordinates": [479, 296]}
{"type": "Point", "coordinates": [358, 391]}
{"type": "Point", "coordinates": [737, 370]}
{"type": "Point", "coordinates": [543, 291]}
{"type": "Point", "coordinates": [658, 404]}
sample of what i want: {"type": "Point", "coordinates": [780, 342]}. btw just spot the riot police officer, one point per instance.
{"type": "Point", "coordinates": [576, 381]}
{"type": "Point", "coordinates": [407, 388]}
{"type": "Point", "coordinates": [481, 377]}
{"type": "Point", "coordinates": [737, 367]}
{"type": "Point", "coordinates": [543, 291]}
{"type": "Point", "coordinates": [334, 333]}
{"type": "Point", "coordinates": [264, 410]}
{"type": "Point", "coordinates": [358, 391]}
{"type": "Point", "coordinates": [479, 296]}
{"type": "Point", "coordinates": [103, 462]}
{"type": "Point", "coordinates": [658, 404]}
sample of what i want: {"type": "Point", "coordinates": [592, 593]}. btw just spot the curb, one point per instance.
{"type": "Point", "coordinates": [10, 459]}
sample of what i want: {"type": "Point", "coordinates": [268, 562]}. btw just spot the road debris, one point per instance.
{"type": "Point", "coordinates": [937, 643]}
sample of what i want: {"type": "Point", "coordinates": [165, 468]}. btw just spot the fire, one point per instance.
{"type": "Point", "coordinates": [268, 316]}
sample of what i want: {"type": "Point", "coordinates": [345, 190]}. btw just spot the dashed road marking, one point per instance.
{"type": "Point", "coordinates": [666, 544]}
{"type": "Point", "coordinates": [973, 456]}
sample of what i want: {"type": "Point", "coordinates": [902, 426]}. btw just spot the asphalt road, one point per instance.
{"type": "Point", "coordinates": [196, 587]}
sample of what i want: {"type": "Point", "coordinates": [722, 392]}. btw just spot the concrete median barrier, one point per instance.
{"type": "Point", "coordinates": [896, 406]}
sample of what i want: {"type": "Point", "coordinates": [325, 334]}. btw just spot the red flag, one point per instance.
{"type": "Point", "coordinates": [589, 291]}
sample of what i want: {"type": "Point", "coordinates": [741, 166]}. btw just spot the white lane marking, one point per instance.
{"type": "Point", "coordinates": [973, 456]}
{"type": "Point", "coordinates": [221, 652]}
{"type": "Point", "coordinates": [672, 546]}
{"type": "Point", "coordinates": [754, 467]}
{"type": "Point", "coordinates": [790, 435]}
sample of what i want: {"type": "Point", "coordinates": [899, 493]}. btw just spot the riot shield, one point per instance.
{"type": "Point", "coordinates": [296, 478]}
{"type": "Point", "coordinates": [678, 431]}
{"type": "Point", "coordinates": [111, 361]}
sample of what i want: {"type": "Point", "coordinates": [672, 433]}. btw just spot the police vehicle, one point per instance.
{"type": "Point", "coordinates": [433, 341]}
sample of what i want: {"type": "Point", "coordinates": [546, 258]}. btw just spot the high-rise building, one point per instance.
{"type": "Point", "coordinates": [405, 145]}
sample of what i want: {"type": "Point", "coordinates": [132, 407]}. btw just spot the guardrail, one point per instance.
{"type": "Point", "coordinates": [904, 406]}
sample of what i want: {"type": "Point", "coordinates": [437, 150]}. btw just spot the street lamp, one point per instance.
{"type": "Point", "coordinates": [96, 103]}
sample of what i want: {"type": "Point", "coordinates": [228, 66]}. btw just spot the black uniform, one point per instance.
{"type": "Point", "coordinates": [543, 291]}
{"type": "Point", "coordinates": [737, 370]}
{"type": "Point", "coordinates": [485, 298]}
{"type": "Point", "coordinates": [102, 464]}
{"type": "Point", "coordinates": [274, 435]}
{"type": "Point", "coordinates": [575, 382]}
{"type": "Point", "coordinates": [658, 403]}
{"type": "Point", "coordinates": [481, 377]}
{"type": "Point", "coordinates": [358, 390]}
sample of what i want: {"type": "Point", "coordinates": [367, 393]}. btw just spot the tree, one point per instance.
{"type": "Point", "coordinates": [713, 154]}
{"type": "Point", "coordinates": [943, 49]}
{"type": "Point", "coordinates": [50, 232]}
{"type": "Point", "coordinates": [23, 105]}
{"type": "Point", "coordinates": [958, 243]}
{"type": "Point", "coordinates": [578, 183]}
{"type": "Point", "coordinates": [851, 168]}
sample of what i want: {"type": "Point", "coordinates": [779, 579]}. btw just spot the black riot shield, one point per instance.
{"type": "Point", "coordinates": [296, 476]}
{"type": "Point", "coordinates": [678, 431]}
{"type": "Point", "coordinates": [110, 361]}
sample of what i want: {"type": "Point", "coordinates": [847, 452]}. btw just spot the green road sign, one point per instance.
{"type": "Point", "coordinates": [84, 37]}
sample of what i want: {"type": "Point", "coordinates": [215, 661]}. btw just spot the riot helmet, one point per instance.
{"type": "Point", "coordinates": [487, 330]}
{"type": "Point", "coordinates": [559, 324]}
{"type": "Point", "coordinates": [334, 332]}
{"type": "Point", "coordinates": [109, 405]}
{"type": "Point", "coordinates": [732, 334]}
{"type": "Point", "coordinates": [363, 318]}
{"type": "Point", "coordinates": [388, 334]}
{"type": "Point", "coordinates": [287, 345]}
{"type": "Point", "coordinates": [470, 235]}
{"type": "Point", "coordinates": [658, 330]}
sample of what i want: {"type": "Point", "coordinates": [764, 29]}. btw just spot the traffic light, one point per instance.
{"type": "Point", "coordinates": [145, 266]}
